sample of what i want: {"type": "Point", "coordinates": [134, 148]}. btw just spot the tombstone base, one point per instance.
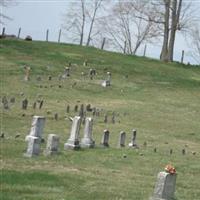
{"type": "Point", "coordinates": [104, 145]}
{"type": "Point", "coordinates": [87, 143]}
{"type": "Point", "coordinates": [72, 144]}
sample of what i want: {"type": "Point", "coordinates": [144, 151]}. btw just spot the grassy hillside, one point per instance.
{"type": "Point", "coordinates": [160, 100]}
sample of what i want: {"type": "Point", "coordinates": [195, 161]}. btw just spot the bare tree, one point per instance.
{"type": "Point", "coordinates": [4, 4]}
{"type": "Point", "coordinates": [126, 30]}
{"type": "Point", "coordinates": [195, 41]}
{"type": "Point", "coordinates": [75, 19]}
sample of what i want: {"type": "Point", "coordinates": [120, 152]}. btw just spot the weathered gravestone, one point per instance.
{"type": "Point", "coordinates": [87, 140]}
{"type": "Point", "coordinates": [68, 109]}
{"type": "Point", "coordinates": [165, 187]}
{"type": "Point", "coordinates": [52, 144]}
{"type": "Point", "coordinates": [105, 138]}
{"type": "Point", "coordinates": [12, 100]}
{"type": "Point", "coordinates": [105, 118]}
{"type": "Point", "coordinates": [122, 138]}
{"type": "Point", "coordinates": [24, 104]}
{"type": "Point", "coordinates": [41, 104]}
{"type": "Point", "coordinates": [73, 141]}
{"type": "Point", "coordinates": [66, 73]}
{"type": "Point", "coordinates": [33, 148]}
{"type": "Point", "coordinates": [76, 108]}
{"type": "Point", "coordinates": [27, 73]}
{"type": "Point", "coordinates": [133, 140]}
{"type": "Point", "coordinates": [36, 127]}
{"type": "Point", "coordinates": [81, 111]}
{"type": "Point", "coordinates": [5, 103]}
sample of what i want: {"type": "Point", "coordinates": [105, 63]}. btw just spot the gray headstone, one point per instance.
{"type": "Point", "coordinates": [52, 144]}
{"type": "Point", "coordinates": [68, 109]}
{"type": "Point", "coordinates": [41, 104]}
{"type": "Point", "coordinates": [33, 146]}
{"type": "Point", "coordinates": [36, 127]}
{"type": "Point", "coordinates": [87, 140]}
{"type": "Point", "coordinates": [24, 104]}
{"type": "Point", "coordinates": [133, 140]}
{"type": "Point", "coordinates": [12, 100]}
{"type": "Point", "coordinates": [73, 141]}
{"type": "Point", "coordinates": [105, 118]}
{"type": "Point", "coordinates": [165, 186]}
{"type": "Point", "coordinates": [5, 103]}
{"type": "Point", "coordinates": [105, 138]}
{"type": "Point", "coordinates": [122, 138]}
{"type": "Point", "coordinates": [75, 108]}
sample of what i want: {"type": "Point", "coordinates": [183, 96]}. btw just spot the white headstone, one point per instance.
{"type": "Point", "coordinates": [52, 144]}
{"type": "Point", "coordinates": [122, 138]}
{"type": "Point", "coordinates": [33, 146]}
{"type": "Point", "coordinates": [36, 127]}
{"type": "Point", "coordinates": [165, 186]}
{"type": "Point", "coordinates": [87, 140]}
{"type": "Point", "coordinates": [105, 138]}
{"type": "Point", "coordinates": [105, 83]}
{"type": "Point", "coordinates": [73, 141]}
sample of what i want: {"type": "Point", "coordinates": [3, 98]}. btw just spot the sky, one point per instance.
{"type": "Point", "coordinates": [36, 16]}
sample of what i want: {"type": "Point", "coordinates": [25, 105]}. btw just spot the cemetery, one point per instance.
{"type": "Point", "coordinates": [83, 123]}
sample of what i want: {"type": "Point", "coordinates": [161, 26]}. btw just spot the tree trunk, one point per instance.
{"type": "Point", "coordinates": [83, 22]}
{"type": "Point", "coordinates": [175, 21]}
{"type": "Point", "coordinates": [164, 52]}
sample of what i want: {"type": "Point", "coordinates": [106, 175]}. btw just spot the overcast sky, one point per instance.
{"type": "Point", "coordinates": [36, 16]}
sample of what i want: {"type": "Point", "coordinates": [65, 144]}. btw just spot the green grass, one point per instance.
{"type": "Point", "coordinates": [160, 100]}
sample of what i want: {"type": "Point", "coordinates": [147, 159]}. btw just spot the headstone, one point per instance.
{"type": "Point", "coordinates": [105, 118]}
{"type": "Point", "coordinates": [27, 73]}
{"type": "Point", "coordinates": [56, 116]}
{"type": "Point", "coordinates": [73, 141]}
{"type": "Point", "coordinates": [155, 150]}
{"type": "Point", "coordinates": [66, 73]}
{"type": "Point", "coordinates": [76, 108]}
{"type": "Point", "coordinates": [33, 148]}
{"type": "Point", "coordinates": [50, 78]}
{"type": "Point", "coordinates": [92, 73]}
{"type": "Point", "coordinates": [68, 109]}
{"type": "Point", "coordinates": [113, 119]}
{"type": "Point", "coordinates": [81, 112]}
{"type": "Point", "coordinates": [183, 151]}
{"type": "Point", "coordinates": [12, 100]}
{"type": "Point", "coordinates": [24, 104]}
{"type": "Point", "coordinates": [165, 186]}
{"type": "Point", "coordinates": [5, 103]}
{"type": "Point", "coordinates": [133, 140]}
{"type": "Point", "coordinates": [170, 151]}
{"type": "Point", "coordinates": [122, 138]}
{"type": "Point", "coordinates": [36, 127]}
{"type": "Point", "coordinates": [105, 83]}
{"type": "Point", "coordinates": [87, 140]}
{"type": "Point", "coordinates": [41, 104]}
{"type": "Point", "coordinates": [52, 144]}
{"type": "Point", "coordinates": [34, 105]}
{"type": "Point", "coordinates": [88, 108]}
{"type": "Point", "coordinates": [105, 138]}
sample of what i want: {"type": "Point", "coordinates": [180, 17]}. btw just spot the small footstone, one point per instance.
{"type": "Point", "coordinates": [52, 144]}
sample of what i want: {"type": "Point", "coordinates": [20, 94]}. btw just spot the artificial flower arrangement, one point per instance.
{"type": "Point", "coordinates": [170, 169]}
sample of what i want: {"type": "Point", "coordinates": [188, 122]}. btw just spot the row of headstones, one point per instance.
{"type": "Point", "coordinates": [165, 186]}
{"type": "Point", "coordinates": [35, 136]}
{"type": "Point", "coordinates": [66, 73]}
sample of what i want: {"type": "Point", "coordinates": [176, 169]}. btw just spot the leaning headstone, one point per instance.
{"type": "Point", "coordinates": [105, 138]}
{"type": "Point", "coordinates": [87, 140]}
{"type": "Point", "coordinates": [36, 127]}
{"type": "Point", "coordinates": [41, 104]}
{"type": "Point", "coordinates": [122, 138]}
{"type": "Point", "coordinates": [24, 104]}
{"type": "Point", "coordinates": [165, 186]}
{"type": "Point", "coordinates": [52, 144]}
{"type": "Point", "coordinates": [133, 140]}
{"type": "Point", "coordinates": [73, 141]}
{"type": "Point", "coordinates": [33, 148]}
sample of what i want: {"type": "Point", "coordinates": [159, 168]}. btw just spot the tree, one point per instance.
{"type": "Point", "coordinates": [4, 4]}
{"type": "Point", "coordinates": [195, 40]}
{"type": "Point", "coordinates": [126, 27]}
{"type": "Point", "coordinates": [80, 19]}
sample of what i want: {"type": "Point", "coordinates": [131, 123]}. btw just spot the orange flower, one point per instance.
{"type": "Point", "coordinates": [170, 169]}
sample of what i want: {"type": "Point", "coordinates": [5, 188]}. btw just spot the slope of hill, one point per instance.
{"type": "Point", "coordinates": [160, 100]}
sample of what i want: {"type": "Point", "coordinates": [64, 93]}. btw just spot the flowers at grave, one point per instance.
{"type": "Point", "coordinates": [170, 169]}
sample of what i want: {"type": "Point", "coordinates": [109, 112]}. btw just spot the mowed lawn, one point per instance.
{"type": "Point", "coordinates": [160, 100]}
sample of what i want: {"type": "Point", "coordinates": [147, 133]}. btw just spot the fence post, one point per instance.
{"type": "Point", "coordinates": [103, 43]}
{"type": "Point", "coordinates": [182, 56]}
{"type": "Point", "coordinates": [47, 35]}
{"type": "Point", "coordinates": [19, 33]}
{"type": "Point", "coordinates": [124, 46]}
{"type": "Point", "coordinates": [3, 31]}
{"type": "Point", "coordinates": [145, 49]}
{"type": "Point", "coordinates": [59, 36]}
